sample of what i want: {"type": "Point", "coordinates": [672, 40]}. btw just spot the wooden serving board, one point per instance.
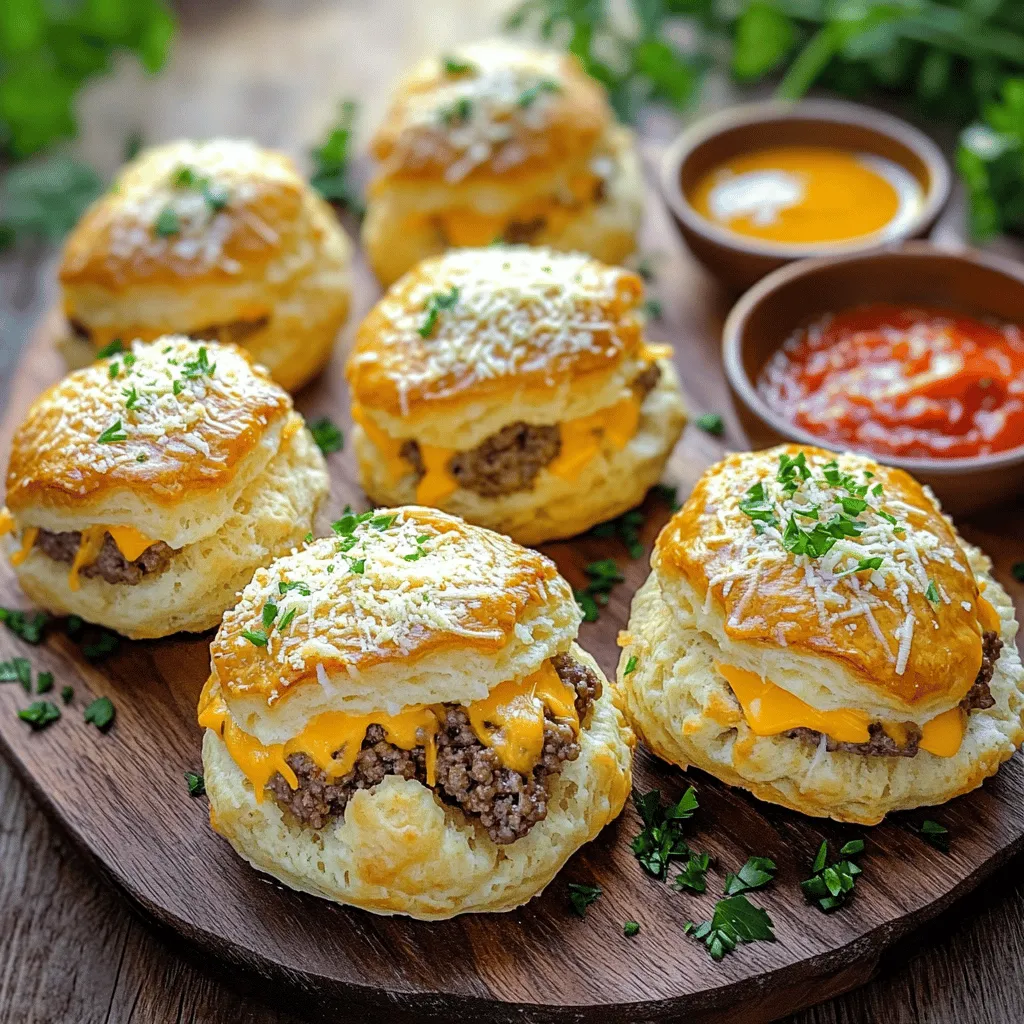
{"type": "Point", "coordinates": [122, 797]}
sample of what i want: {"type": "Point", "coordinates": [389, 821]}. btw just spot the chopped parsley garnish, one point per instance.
{"type": "Point", "coordinates": [792, 470]}
{"type": "Point", "coordinates": [420, 551]}
{"type": "Point", "coordinates": [735, 919]}
{"type": "Point", "coordinates": [17, 670]}
{"type": "Point", "coordinates": [216, 196]}
{"type": "Point", "coordinates": [113, 370]}
{"type": "Point", "coordinates": [604, 574]}
{"type": "Point", "coordinates": [328, 437]}
{"type": "Point", "coordinates": [694, 873]}
{"type": "Point", "coordinates": [66, 693]}
{"type": "Point", "coordinates": [437, 302]}
{"type": "Point", "coordinates": [630, 928]}
{"type": "Point", "coordinates": [457, 66]}
{"type": "Point", "coordinates": [299, 585]}
{"type": "Point", "coordinates": [100, 713]}
{"type": "Point", "coordinates": [198, 367]}
{"type": "Point", "coordinates": [269, 614]}
{"type": "Point", "coordinates": [107, 643]}
{"type": "Point", "coordinates": [627, 528]}
{"type": "Point", "coordinates": [630, 665]}
{"type": "Point", "coordinates": [167, 223]}
{"type": "Point", "coordinates": [581, 896]}
{"type": "Point", "coordinates": [755, 505]}
{"type": "Point", "coordinates": [1017, 571]}
{"type": "Point", "coordinates": [115, 432]}
{"type": "Point", "coordinates": [357, 566]}
{"type": "Point", "coordinates": [863, 564]}
{"type": "Point", "coordinates": [934, 834]}
{"type": "Point", "coordinates": [530, 95]}
{"type": "Point", "coordinates": [256, 637]}
{"type": "Point", "coordinates": [653, 308]}
{"type": "Point", "coordinates": [44, 682]}
{"type": "Point", "coordinates": [40, 714]}
{"type": "Point", "coordinates": [177, 387]}
{"type": "Point", "coordinates": [830, 885]}
{"type": "Point", "coordinates": [711, 423]}
{"type": "Point", "coordinates": [286, 620]}
{"type": "Point", "coordinates": [184, 177]}
{"type": "Point", "coordinates": [755, 874]}
{"type": "Point", "coordinates": [28, 627]}
{"type": "Point", "coordinates": [668, 494]}
{"type": "Point", "coordinates": [131, 397]}
{"type": "Point", "coordinates": [196, 783]}
{"type": "Point", "coordinates": [661, 838]}
{"type": "Point", "coordinates": [932, 593]}
{"type": "Point", "coordinates": [457, 112]}
{"type": "Point", "coordinates": [111, 349]}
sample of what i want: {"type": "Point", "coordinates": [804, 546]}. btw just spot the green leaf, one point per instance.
{"type": "Point", "coordinates": [711, 423]}
{"type": "Point", "coordinates": [100, 713]}
{"type": "Point", "coordinates": [764, 37]}
{"type": "Point", "coordinates": [44, 682]}
{"type": "Point", "coordinates": [40, 714]}
{"type": "Point", "coordinates": [331, 161]}
{"type": "Point", "coordinates": [582, 896]}
{"type": "Point", "coordinates": [269, 614]}
{"type": "Point", "coordinates": [694, 872]}
{"type": "Point", "coordinates": [327, 435]}
{"type": "Point", "coordinates": [744, 920]}
{"type": "Point", "coordinates": [27, 626]}
{"type": "Point", "coordinates": [256, 637]}
{"type": "Point", "coordinates": [631, 664]}
{"type": "Point", "coordinates": [755, 874]}
{"type": "Point", "coordinates": [935, 834]}
{"type": "Point", "coordinates": [196, 783]}
{"type": "Point", "coordinates": [630, 928]}
{"type": "Point", "coordinates": [673, 78]}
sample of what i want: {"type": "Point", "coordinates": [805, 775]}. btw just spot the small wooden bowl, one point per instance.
{"type": "Point", "coordinates": [916, 273]}
{"type": "Point", "coordinates": [739, 261]}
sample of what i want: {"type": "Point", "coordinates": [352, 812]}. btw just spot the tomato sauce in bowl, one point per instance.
{"type": "Point", "coordinates": [902, 381]}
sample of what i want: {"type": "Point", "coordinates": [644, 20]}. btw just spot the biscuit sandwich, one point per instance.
{"type": "Point", "coordinates": [499, 141]}
{"type": "Point", "coordinates": [815, 631]}
{"type": "Point", "coordinates": [219, 240]}
{"type": "Point", "coordinates": [145, 490]}
{"type": "Point", "coordinates": [398, 718]}
{"type": "Point", "coordinates": [513, 386]}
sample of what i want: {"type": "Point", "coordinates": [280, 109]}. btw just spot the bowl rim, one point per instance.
{"type": "Point", "coordinates": [746, 390]}
{"type": "Point", "coordinates": [936, 196]}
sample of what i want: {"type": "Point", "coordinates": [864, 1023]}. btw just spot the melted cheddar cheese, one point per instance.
{"type": "Point", "coordinates": [770, 710]}
{"type": "Point", "coordinates": [28, 539]}
{"type": "Point", "coordinates": [130, 542]}
{"type": "Point", "coordinates": [7, 523]}
{"type": "Point", "coordinates": [437, 483]}
{"type": "Point", "coordinates": [510, 720]}
{"type": "Point", "coordinates": [582, 437]}
{"type": "Point", "coordinates": [988, 617]}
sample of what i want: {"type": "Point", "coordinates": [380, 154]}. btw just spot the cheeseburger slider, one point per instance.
{"type": "Point", "coordinates": [143, 491]}
{"type": "Point", "coordinates": [816, 631]}
{"type": "Point", "coordinates": [513, 387]}
{"type": "Point", "coordinates": [219, 240]}
{"type": "Point", "coordinates": [398, 718]}
{"type": "Point", "coordinates": [497, 141]}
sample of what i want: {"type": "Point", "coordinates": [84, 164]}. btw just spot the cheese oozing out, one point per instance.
{"type": "Point", "coordinates": [770, 710]}
{"type": "Point", "coordinates": [509, 720]}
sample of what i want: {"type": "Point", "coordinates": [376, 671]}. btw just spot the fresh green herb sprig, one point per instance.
{"type": "Point", "coordinates": [711, 423]}
{"type": "Point", "coordinates": [604, 575]}
{"type": "Point", "coordinates": [27, 626]}
{"type": "Point", "coordinates": [661, 839]}
{"type": "Point", "coordinates": [755, 874]}
{"type": "Point", "coordinates": [627, 528]}
{"type": "Point", "coordinates": [693, 875]}
{"type": "Point", "coordinates": [734, 920]}
{"type": "Point", "coordinates": [40, 714]}
{"type": "Point", "coordinates": [196, 783]}
{"type": "Point", "coordinates": [437, 303]}
{"type": "Point", "coordinates": [582, 896]}
{"type": "Point", "coordinates": [327, 435]}
{"type": "Point", "coordinates": [831, 885]}
{"type": "Point", "coordinates": [332, 160]}
{"type": "Point", "coordinates": [101, 713]}
{"type": "Point", "coordinates": [934, 834]}
{"type": "Point", "coordinates": [17, 670]}
{"type": "Point", "coordinates": [455, 66]}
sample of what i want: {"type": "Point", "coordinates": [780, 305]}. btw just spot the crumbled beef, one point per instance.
{"type": "Point", "coordinates": [509, 461]}
{"type": "Point", "coordinates": [645, 381]}
{"type": "Point", "coordinates": [507, 803]}
{"type": "Point", "coordinates": [110, 564]}
{"type": "Point", "coordinates": [978, 698]}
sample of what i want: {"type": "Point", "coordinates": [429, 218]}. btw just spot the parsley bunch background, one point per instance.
{"type": "Point", "coordinates": [48, 50]}
{"type": "Point", "coordinates": [958, 61]}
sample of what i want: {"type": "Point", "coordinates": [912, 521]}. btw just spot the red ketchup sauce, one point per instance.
{"type": "Point", "coordinates": [900, 380]}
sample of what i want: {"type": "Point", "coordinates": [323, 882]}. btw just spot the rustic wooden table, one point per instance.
{"type": "Point", "coordinates": [70, 951]}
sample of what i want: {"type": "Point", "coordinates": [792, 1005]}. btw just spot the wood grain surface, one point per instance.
{"type": "Point", "coordinates": [70, 953]}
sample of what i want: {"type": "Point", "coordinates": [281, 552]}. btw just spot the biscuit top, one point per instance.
{"type": "Point", "coordinates": [837, 556]}
{"type": "Point", "coordinates": [388, 588]}
{"type": "Point", "coordinates": [490, 323]}
{"type": "Point", "coordinates": [490, 109]}
{"type": "Point", "coordinates": [188, 212]}
{"type": "Point", "coordinates": [166, 420]}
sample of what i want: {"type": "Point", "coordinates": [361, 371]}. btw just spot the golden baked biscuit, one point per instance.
{"type": "Point", "coordinates": [816, 631]}
{"type": "Point", "coordinates": [398, 718]}
{"type": "Point", "coordinates": [219, 240]}
{"type": "Point", "coordinates": [143, 491]}
{"type": "Point", "coordinates": [513, 386]}
{"type": "Point", "coordinates": [499, 141]}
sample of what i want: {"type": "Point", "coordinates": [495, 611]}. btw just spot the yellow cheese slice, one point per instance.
{"type": "Point", "coordinates": [130, 542]}
{"type": "Point", "coordinates": [437, 484]}
{"type": "Point", "coordinates": [943, 735]}
{"type": "Point", "coordinates": [7, 523]}
{"type": "Point", "coordinates": [28, 539]}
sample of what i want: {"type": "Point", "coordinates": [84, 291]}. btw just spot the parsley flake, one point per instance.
{"type": "Point", "coordinates": [196, 783]}
{"type": "Point", "coordinates": [630, 928]}
{"type": "Point", "coordinates": [694, 873]}
{"type": "Point", "coordinates": [437, 302]}
{"type": "Point", "coordinates": [711, 423]}
{"type": "Point", "coordinates": [581, 897]}
{"type": "Point", "coordinates": [530, 95]}
{"type": "Point", "coordinates": [755, 874]}
{"type": "Point", "coordinates": [661, 838]}
{"type": "Point", "coordinates": [100, 713]}
{"type": "Point", "coordinates": [40, 714]}
{"type": "Point", "coordinates": [66, 693]}
{"type": "Point", "coordinates": [256, 637]}
{"type": "Point", "coordinates": [631, 664]}
{"type": "Point", "coordinates": [44, 682]}
{"type": "Point", "coordinates": [328, 437]}
{"type": "Point", "coordinates": [932, 593]}
{"type": "Point", "coordinates": [286, 620]}
{"type": "Point", "coordinates": [627, 528]}
{"type": "Point", "coordinates": [269, 614]}
{"type": "Point", "coordinates": [27, 627]}
{"type": "Point", "coordinates": [457, 112]}
{"type": "Point", "coordinates": [115, 432]}
{"type": "Point", "coordinates": [830, 885]}
{"type": "Point", "coordinates": [167, 223]}
{"type": "Point", "coordinates": [112, 349]}
{"type": "Point", "coordinates": [299, 585]}
{"type": "Point", "coordinates": [17, 670]}
{"type": "Point", "coordinates": [934, 834]}
{"type": "Point", "coordinates": [457, 66]}
{"type": "Point", "coordinates": [735, 919]}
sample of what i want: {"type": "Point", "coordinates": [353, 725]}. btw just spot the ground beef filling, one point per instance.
{"type": "Point", "coordinates": [110, 564]}
{"type": "Point", "coordinates": [468, 774]}
{"type": "Point", "coordinates": [978, 698]}
{"type": "Point", "coordinates": [237, 331]}
{"type": "Point", "coordinates": [509, 461]}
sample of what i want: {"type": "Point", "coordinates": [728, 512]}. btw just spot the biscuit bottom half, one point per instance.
{"type": "Point", "coordinates": [398, 849]}
{"type": "Point", "coordinates": [684, 711]}
{"type": "Point", "coordinates": [202, 579]}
